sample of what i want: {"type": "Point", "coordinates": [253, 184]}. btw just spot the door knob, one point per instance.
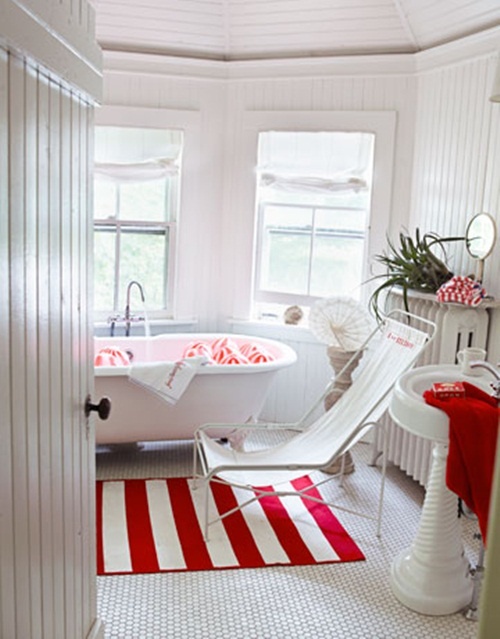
{"type": "Point", "coordinates": [103, 408]}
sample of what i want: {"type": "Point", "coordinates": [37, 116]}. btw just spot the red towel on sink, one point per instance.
{"type": "Point", "coordinates": [474, 421]}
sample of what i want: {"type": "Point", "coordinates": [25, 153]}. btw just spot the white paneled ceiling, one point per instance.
{"type": "Point", "coordinates": [260, 29]}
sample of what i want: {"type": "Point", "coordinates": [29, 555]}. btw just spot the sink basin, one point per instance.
{"type": "Point", "coordinates": [408, 407]}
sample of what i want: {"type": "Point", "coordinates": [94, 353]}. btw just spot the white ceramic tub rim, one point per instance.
{"type": "Point", "coordinates": [286, 356]}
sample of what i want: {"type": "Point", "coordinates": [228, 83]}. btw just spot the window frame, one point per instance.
{"type": "Point", "coordinates": [266, 296]}
{"type": "Point", "coordinates": [189, 123]}
{"type": "Point", "coordinates": [244, 185]}
{"type": "Point", "coordinates": [170, 231]}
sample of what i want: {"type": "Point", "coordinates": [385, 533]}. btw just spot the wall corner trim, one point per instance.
{"type": "Point", "coordinates": [474, 46]}
{"type": "Point", "coordinates": [192, 68]}
{"type": "Point", "coordinates": [55, 39]}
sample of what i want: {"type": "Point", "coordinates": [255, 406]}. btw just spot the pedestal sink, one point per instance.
{"type": "Point", "coordinates": [432, 576]}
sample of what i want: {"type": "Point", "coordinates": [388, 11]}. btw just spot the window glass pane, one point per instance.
{"type": "Point", "coordinates": [315, 189]}
{"type": "Point", "coordinates": [347, 200]}
{"type": "Point", "coordinates": [286, 249]}
{"type": "Point", "coordinates": [337, 265]}
{"type": "Point", "coordinates": [143, 200]}
{"type": "Point", "coordinates": [137, 193]}
{"type": "Point", "coordinates": [288, 217]}
{"type": "Point", "coordinates": [105, 194]}
{"type": "Point", "coordinates": [104, 268]}
{"type": "Point", "coordinates": [286, 263]}
{"type": "Point", "coordinates": [341, 222]}
{"type": "Point", "coordinates": [143, 254]}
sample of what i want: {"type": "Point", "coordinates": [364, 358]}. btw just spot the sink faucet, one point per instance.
{"type": "Point", "coordinates": [128, 317]}
{"type": "Point", "coordinates": [494, 371]}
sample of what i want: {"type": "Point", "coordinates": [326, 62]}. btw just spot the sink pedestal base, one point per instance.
{"type": "Point", "coordinates": [432, 576]}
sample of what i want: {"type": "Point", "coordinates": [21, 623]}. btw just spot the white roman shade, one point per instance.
{"type": "Point", "coordinates": [301, 184]}
{"type": "Point", "coordinates": [137, 171]}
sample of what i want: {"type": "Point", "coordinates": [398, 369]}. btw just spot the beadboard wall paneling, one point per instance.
{"type": "Point", "coordinates": [323, 96]}
{"type": "Point", "coordinates": [58, 35]}
{"type": "Point", "coordinates": [456, 169]}
{"type": "Point", "coordinates": [190, 25]}
{"type": "Point", "coordinates": [214, 274]}
{"type": "Point", "coordinates": [447, 153]}
{"type": "Point", "coordinates": [198, 272]}
{"type": "Point", "coordinates": [47, 454]}
{"type": "Point", "coordinates": [433, 23]}
{"type": "Point", "coordinates": [7, 578]}
{"type": "Point", "coordinates": [296, 388]}
{"type": "Point", "coordinates": [262, 29]}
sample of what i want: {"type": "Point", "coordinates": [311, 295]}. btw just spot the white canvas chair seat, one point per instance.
{"type": "Point", "coordinates": [397, 346]}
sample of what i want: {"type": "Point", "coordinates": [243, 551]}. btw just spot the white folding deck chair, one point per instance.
{"type": "Point", "coordinates": [392, 348]}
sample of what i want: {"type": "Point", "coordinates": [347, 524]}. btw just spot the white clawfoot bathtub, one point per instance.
{"type": "Point", "coordinates": [217, 393]}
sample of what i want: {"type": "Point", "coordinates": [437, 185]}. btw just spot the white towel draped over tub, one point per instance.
{"type": "Point", "coordinates": [169, 380]}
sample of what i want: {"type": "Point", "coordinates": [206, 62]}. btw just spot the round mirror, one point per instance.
{"type": "Point", "coordinates": [480, 236]}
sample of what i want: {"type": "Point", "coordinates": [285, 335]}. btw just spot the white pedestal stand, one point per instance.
{"type": "Point", "coordinates": [432, 576]}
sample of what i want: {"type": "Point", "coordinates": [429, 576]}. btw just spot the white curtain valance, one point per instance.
{"type": "Point", "coordinates": [294, 184]}
{"type": "Point", "coordinates": [136, 172]}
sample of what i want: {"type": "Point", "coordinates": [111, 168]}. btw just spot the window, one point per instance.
{"type": "Point", "coordinates": [313, 211]}
{"type": "Point", "coordinates": [136, 202]}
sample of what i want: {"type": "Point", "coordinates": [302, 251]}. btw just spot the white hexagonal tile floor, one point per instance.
{"type": "Point", "coordinates": [341, 601]}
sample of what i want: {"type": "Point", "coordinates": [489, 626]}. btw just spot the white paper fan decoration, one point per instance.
{"type": "Point", "coordinates": [341, 322]}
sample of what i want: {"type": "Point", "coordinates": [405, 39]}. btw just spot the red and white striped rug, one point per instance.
{"type": "Point", "coordinates": [155, 525]}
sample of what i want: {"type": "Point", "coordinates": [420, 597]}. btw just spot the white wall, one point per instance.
{"type": "Point", "coordinates": [446, 164]}
{"type": "Point", "coordinates": [456, 174]}
{"type": "Point", "coordinates": [456, 169]}
{"type": "Point", "coordinates": [200, 224]}
{"type": "Point", "coordinates": [216, 234]}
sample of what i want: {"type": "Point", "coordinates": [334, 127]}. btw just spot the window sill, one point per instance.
{"type": "Point", "coordinates": [274, 330]}
{"type": "Point", "coordinates": [156, 326]}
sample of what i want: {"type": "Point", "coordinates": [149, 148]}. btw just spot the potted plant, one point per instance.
{"type": "Point", "coordinates": [413, 265]}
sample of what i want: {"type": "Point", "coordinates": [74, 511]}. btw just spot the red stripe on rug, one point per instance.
{"type": "Point", "coordinates": [140, 533]}
{"type": "Point", "coordinates": [190, 534]}
{"type": "Point", "coordinates": [286, 531]}
{"type": "Point", "coordinates": [240, 537]}
{"type": "Point", "coordinates": [98, 520]}
{"type": "Point", "coordinates": [329, 525]}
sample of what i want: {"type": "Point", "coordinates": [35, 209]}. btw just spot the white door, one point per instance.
{"type": "Point", "coordinates": [47, 535]}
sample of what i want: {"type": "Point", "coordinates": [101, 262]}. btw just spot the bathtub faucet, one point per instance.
{"type": "Point", "coordinates": [128, 317]}
{"type": "Point", "coordinates": [494, 371]}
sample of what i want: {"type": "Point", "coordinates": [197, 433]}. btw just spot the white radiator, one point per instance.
{"type": "Point", "coordinates": [458, 327]}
